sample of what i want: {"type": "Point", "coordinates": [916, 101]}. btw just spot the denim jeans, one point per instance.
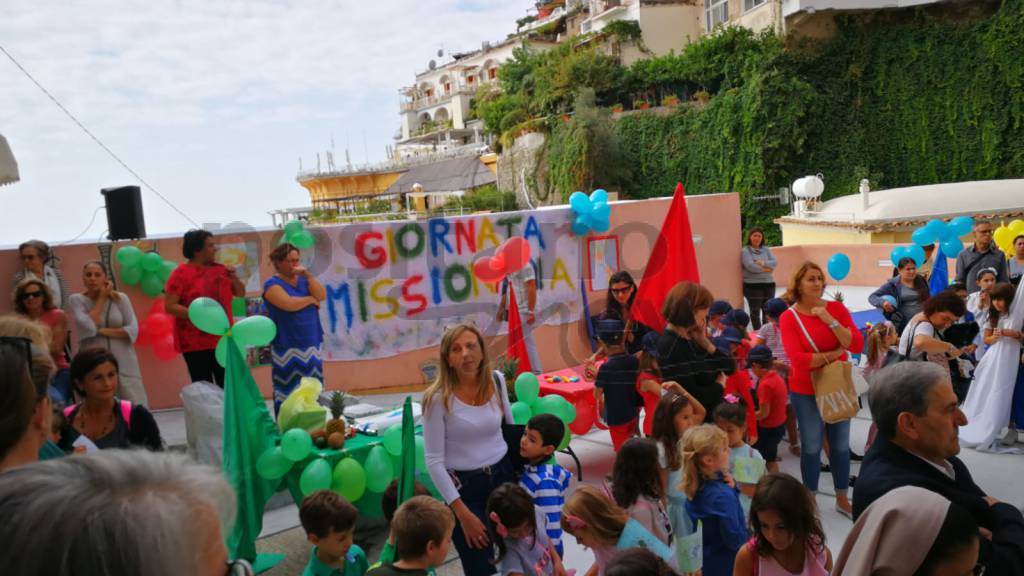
{"type": "Point", "coordinates": [812, 429]}
{"type": "Point", "coordinates": [475, 488]}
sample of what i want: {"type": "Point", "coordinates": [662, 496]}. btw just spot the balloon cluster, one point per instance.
{"type": "Point", "coordinates": [1004, 235]}
{"type": "Point", "coordinates": [208, 315]}
{"type": "Point", "coordinates": [148, 270]}
{"type": "Point", "coordinates": [348, 477]}
{"type": "Point", "coordinates": [157, 330]}
{"type": "Point", "coordinates": [295, 233]}
{"type": "Point", "coordinates": [947, 235]}
{"type": "Point", "coordinates": [511, 257]}
{"type": "Point", "coordinates": [528, 403]}
{"type": "Point", "coordinates": [838, 266]}
{"type": "Point", "coordinates": [590, 213]}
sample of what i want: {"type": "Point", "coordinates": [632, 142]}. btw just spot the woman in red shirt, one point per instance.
{"type": "Point", "coordinates": [200, 276]}
{"type": "Point", "coordinates": [832, 329]}
{"type": "Point", "coordinates": [33, 299]}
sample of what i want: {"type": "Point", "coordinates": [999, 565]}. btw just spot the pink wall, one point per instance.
{"type": "Point", "coordinates": [715, 218]}
{"type": "Point", "coordinates": [869, 263]}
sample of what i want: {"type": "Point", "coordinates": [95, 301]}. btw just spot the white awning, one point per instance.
{"type": "Point", "coordinates": [8, 165]}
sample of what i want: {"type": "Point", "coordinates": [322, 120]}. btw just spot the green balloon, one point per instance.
{"type": "Point", "coordinates": [131, 276]}
{"type": "Point", "coordinates": [166, 269]}
{"type": "Point", "coordinates": [392, 440]}
{"type": "Point", "coordinates": [152, 285]}
{"type": "Point", "coordinates": [564, 409]}
{"type": "Point", "coordinates": [254, 331]}
{"type": "Point", "coordinates": [302, 240]}
{"type": "Point", "coordinates": [349, 479]}
{"type": "Point", "coordinates": [293, 227]}
{"type": "Point", "coordinates": [379, 471]}
{"type": "Point", "coordinates": [316, 476]}
{"type": "Point", "coordinates": [421, 455]}
{"type": "Point", "coordinates": [550, 404]}
{"type": "Point", "coordinates": [527, 387]}
{"type": "Point", "coordinates": [129, 256]}
{"type": "Point", "coordinates": [296, 444]}
{"type": "Point", "coordinates": [208, 315]}
{"type": "Point", "coordinates": [152, 262]}
{"type": "Point", "coordinates": [221, 351]}
{"type": "Point", "coordinates": [565, 439]}
{"type": "Point", "coordinates": [521, 412]}
{"type": "Point", "coordinates": [272, 464]}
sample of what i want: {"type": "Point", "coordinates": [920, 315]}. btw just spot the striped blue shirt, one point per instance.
{"type": "Point", "coordinates": [547, 484]}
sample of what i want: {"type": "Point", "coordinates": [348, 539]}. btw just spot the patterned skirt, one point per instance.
{"type": "Point", "coordinates": [290, 366]}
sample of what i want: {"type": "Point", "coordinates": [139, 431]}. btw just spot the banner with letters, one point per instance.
{"type": "Point", "coordinates": [393, 287]}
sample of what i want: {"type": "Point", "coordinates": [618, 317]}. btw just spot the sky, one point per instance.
{"type": "Point", "coordinates": [210, 102]}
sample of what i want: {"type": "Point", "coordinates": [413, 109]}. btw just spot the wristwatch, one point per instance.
{"type": "Point", "coordinates": [834, 324]}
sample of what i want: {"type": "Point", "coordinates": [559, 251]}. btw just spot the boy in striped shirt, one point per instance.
{"type": "Point", "coordinates": [543, 479]}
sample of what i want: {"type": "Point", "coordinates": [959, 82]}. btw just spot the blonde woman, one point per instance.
{"type": "Point", "coordinates": [103, 318]}
{"type": "Point", "coordinates": [466, 453]}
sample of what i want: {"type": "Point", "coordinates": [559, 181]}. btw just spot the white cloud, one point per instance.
{"type": "Point", "coordinates": [212, 102]}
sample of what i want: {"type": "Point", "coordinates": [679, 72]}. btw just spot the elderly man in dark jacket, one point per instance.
{"type": "Point", "coordinates": [916, 412]}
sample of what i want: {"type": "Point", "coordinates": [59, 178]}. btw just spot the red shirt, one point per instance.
{"type": "Point", "coordinates": [800, 350]}
{"type": "Point", "coordinates": [650, 401]}
{"type": "Point", "coordinates": [189, 282]}
{"type": "Point", "coordinates": [52, 318]}
{"type": "Point", "coordinates": [771, 392]}
{"type": "Point", "coordinates": [738, 384]}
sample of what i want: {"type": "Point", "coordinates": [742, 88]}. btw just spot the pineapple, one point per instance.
{"type": "Point", "coordinates": [337, 407]}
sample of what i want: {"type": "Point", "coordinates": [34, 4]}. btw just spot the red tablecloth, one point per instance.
{"type": "Point", "coordinates": [580, 394]}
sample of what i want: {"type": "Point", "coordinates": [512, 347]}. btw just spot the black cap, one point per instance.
{"type": "Point", "coordinates": [719, 307]}
{"type": "Point", "coordinates": [610, 330]}
{"type": "Point", "coordinates": [737, 317]}
{"type": "Point", "coordinates": [774, 307]}
{"type": "Point", "coordinates": [649, 343]}
{"type": "Point", "coordinates": [731, 335]}
{"type": "Point", "coordinates": [761, 354]}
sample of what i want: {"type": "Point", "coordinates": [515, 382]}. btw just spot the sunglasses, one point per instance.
{"type": "Point", "coordinates": [36, 294]}
{"type": "Point", "coordinates": [621, 290]}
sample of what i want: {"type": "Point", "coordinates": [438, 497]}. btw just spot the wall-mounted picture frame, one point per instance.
{"type": "Point", "coordinates": [602, 261]}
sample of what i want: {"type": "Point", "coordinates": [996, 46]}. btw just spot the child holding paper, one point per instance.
{"type": "Point", "coordinates": [746, 465]}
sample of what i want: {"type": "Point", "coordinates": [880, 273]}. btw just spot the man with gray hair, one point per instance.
{"type": "Point", "coordinates": [116, 512]}
{"type": "Point", "coordinates": [982, 254]}
{"type": "Point", "coordinates": [918, 419]}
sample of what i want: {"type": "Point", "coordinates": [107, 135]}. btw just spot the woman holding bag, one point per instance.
{"type": "Point", "coordinates": [816, 333]}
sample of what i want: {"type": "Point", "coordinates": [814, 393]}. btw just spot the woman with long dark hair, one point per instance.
{"type": "Point", "coordinates": [758, 282]}
{"type": "Point", "coordinates": [621, 293]}
{"type": "Point", "coordinates": [901, 297]}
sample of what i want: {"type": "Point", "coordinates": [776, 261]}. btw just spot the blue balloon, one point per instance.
{"type": "Point", "coordinates": [890, 299]}
{"type": "Point", "coordinates": [579, 203]}
{"type": "Point", "coordinates": [937, 228]}
{"type": "Point", "coordinates": [601, 224]}
{"type": "Point", "coordinates": [923, 237]}
{"type": "Point", "coordinates": [962, 225]}
{"type": "Point", "coordinates": [599, 195]}
{"type": "Point", "coordinates": [951, 248]}
{"type": "Point", "coordinates": [601, 210]}
{"type": "Point", "coordinates": [898, 253]}
{"type": "Point", "coordinates": [917, 253]}
{"type": "Point", "coordinates": [838, 265]}
{"type": "Point", "coordinates": [580, 227]}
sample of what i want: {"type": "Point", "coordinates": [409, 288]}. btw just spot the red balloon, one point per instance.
{"type": "Point", "coordinates": [160, 323]}
{"type": "Point", "coordinates": [485, 270]}
{"type": "Point", "coordinates": [145, 337]}
{"type": "Point", "coordinates": [158, 307]}
{"type": "Point", "coordinates": [586, 414]}
{"type": "Point", "coordinates": [164, 347]}
{"type": "Point", "coordinates": [515, 253]}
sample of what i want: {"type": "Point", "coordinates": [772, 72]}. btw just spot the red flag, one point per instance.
{"type": "Point", "coordinates": [516, 344]}
{"type": "Point", "coordinates": [672, 261]}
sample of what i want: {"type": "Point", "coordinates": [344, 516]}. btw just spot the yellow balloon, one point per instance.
{"type": "Point", "coordinates": [1003, 237]}
{"type": "Point", "coordinates": [1016, 227]}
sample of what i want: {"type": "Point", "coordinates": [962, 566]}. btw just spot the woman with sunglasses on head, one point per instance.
{"type": "Point", "coordinates": [24, 405]}
{"type": "Point", "coordinates": [103, 317]}
{"type": "Point", "coordinates": [33, 300]}
{"type": "Point", "coordinates": [38, 263]}
{"type": "Point", "coordinates": [104, 419]}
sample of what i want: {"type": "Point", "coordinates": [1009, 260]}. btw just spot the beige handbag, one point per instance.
{"type": "Point", "coordinates": [833, 385]}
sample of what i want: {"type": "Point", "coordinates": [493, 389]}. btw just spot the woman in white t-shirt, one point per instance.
{"type": "Point", "coordinates": [466, 453]}
{"type": "Point", "coordinates": [920, 339]}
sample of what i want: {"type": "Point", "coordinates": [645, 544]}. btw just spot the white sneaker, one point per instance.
{"type": "Point", "coordinates": [1010, 438]}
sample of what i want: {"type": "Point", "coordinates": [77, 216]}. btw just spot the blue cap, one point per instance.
{"type": "Point", "coordinates": [649, 343]}
{"type": "Point", "coordinates": [759, 353]}
{"type": "Point", "coordinates": [719, 307]}
{"type": "Point", "coordinates": [737, 317]}
{"type": "Point", "coordinates": [722, 344]}
{"type": "Point", "coordinates": [774, 307]}
{"type": "Point", "coordinates": [731, 335]}
{"type": "Point", "coordinates": [610, 330]}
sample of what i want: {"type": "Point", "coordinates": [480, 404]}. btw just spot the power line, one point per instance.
{"type": "Point", "coordinates": [82, 233]}
{"type": "Point", "coordinates": [95, 138]}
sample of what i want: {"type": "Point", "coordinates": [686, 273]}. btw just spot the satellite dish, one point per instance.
{"type": "Point", "coordinates": [808, 187]}
{"type": "Point", "coordinates": [432, 64]}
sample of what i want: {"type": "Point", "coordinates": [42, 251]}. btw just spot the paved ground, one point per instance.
{"type": "Point", "coordinates": [999, 475]}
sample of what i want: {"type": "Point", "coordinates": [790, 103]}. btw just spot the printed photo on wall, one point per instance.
{"type": "Point", "coordinates": [260, 355]}
{"type": "Point", "coordinates": [243, 256]}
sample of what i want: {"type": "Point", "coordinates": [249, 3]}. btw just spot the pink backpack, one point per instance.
{"type": "Point", "coordinates": [126, 412]}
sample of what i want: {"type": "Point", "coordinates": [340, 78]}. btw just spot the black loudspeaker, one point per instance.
{"type": "Point", "coordinates": [124, 213]}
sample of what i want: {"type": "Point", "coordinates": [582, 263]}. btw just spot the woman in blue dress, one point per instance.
{"type": "Point", "coordinates": [292, 297]}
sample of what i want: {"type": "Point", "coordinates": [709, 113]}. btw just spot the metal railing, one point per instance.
{"type": "Point", "coordinates": [474, 149]}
